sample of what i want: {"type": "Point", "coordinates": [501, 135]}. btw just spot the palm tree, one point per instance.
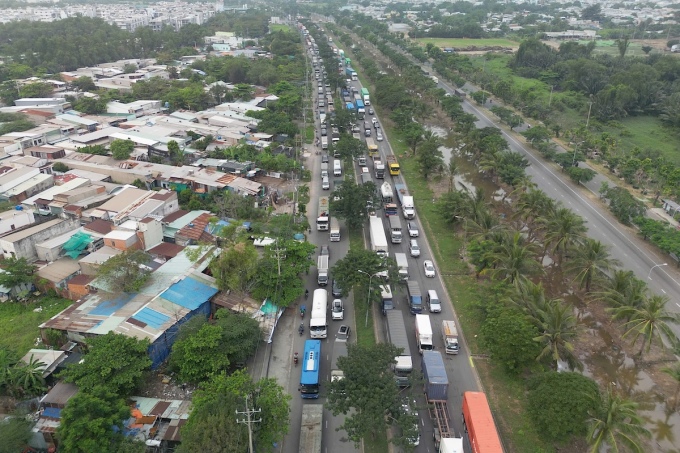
{"type": "Point", "coordinates": [615, 422]}
{"type": "Point", "coordinates": [563, 228]}
{"type": "Point", "coordinates": [590, 263]}
{"type": "Point", "coordinates": [531, 206]}
{"type": "Point", "coordinates": [625, 292]}
{"type": "Point", "coordinates": [489, 163]}
{"type": "Point", "coordinates": [558, 326]}
{"type": "Point", "coordinates": [650, 322]}
{"type": "Point", "coordinates": [7, 362]}
{"type": "Point", "coordinates": [486, 223]}
{"type": "Point", "coordinates": [674, 372]}
{"type": "Point", "coordinates": [451, 171]}
{"type": "Point", "coordinates": [27, 379]}
{"type": "Point", "coordinates": [513, 259]}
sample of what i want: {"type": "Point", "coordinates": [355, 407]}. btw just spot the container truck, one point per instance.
{"type": "Point", "coordinates": [479, 425]}
{"type": "Point", "coordinates": [395, 229]}
{"type": "Point", "coordinates": [339, 350]}
{"type": "Point", "coordinates": [349, 105]}
{"type": "Point", "coordinates": [386, 301]}
{"type": "Point", "coordinates": [365, 96]}
{"type": "Point", "coordinates": [415, 298]}
{"type": "Point", "coordinates": [392, 165]}
{"type": "Point", "coordinates": [424, 333]}
{"type": "Point", "coordinates": [348, 71]}
{"type": "Point", "coordinates": [378, 238]}
{"type": "Point", "coordinates": [450, 337]}
{"type": "Point", "coordinates": [402, 265]}
{"type": "Point", "coordinates": [361, 110]}
{"type": "Point", "coordinates": [323, 218]}
{"type": "Point", "coordinates": [322, 269]}
{"type": "Point", "coordinates": [378, 167]}
{"type": "Point", "coordinates": [396, 331]}
{"type": "Point", "coordinates": [335, 230]}
{"type": "Point", "coordinates": [406, 201]}
{"type": "Point", "coordinates": [311, 429]}
{"type": "Point", "coordinates": [451, 445]}
{"type": "Point", "coordinates": [436, 394]}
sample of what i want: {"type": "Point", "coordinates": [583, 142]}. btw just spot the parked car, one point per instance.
{"type": "Point", "coordinates": [343, 333]}
{"type": "Point", "coordinates": [412, 229]}
{"type": "Point", "coordinates": [336, 291]}
{"type": "Point", "coordinates": [337, 312]}
{"type": "Point", "coordinates": [429, 268]}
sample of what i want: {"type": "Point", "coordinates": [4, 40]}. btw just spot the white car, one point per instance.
{"type": "Point", "coordinates": [338, 312]}
{"type": "Point", "coordinates": [412, 229]}
{"type": "Point", "coordinates": [429, 269]}
{"type": "Point", "coordinates": [379, 137]}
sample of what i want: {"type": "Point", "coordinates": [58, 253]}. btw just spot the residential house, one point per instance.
{"type": "Point", "coordinates": [28, 188]}
{"type": "Point", "coordinates": [15, 219]}
{"type": "Point", "coordinates": [21, 244]}
{"type": "Point", "coordinates": [55, 275]}
{"type": "Point", "coordinates": [196, 232]}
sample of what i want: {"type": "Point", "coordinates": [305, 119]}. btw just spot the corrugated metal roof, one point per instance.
{"type": "Point", "coordinates": [189, 293]}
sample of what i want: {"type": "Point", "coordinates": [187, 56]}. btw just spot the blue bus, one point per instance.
{"type": "Point", "coordinates": [311, 360]}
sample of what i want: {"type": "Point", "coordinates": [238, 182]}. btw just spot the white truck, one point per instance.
{"type": "Point", "coordinates": [407, 205]}
{"type": "Point", "coordinates": [402, 265]}
{"type": "Point", "coordinates": [339, 350]}
{"type": "Point", "coordinates": [396, 331]}
{"type": "Point", "coordinates": [386, 192]}
{"type": "Point", "coordinates": [424, 333]}
{"type": "Point", "coordinates": [451, 445]}
{"type": "Point", "coordinates": [335, 230]}
{"type": "Point", "coordinates": [322, 268]}
{"type": "Point", "coordinates": [324, 142]}
{"type": "Point", "coordinates": [337, 168]}
{"type": "Point", "coordinates": [324, 170]}
{"type": "Point", "coordinates": [395, 229]}
{"type": "Point", "coordinates": [450, 337]}
{"type": "Point", "coordinates": [323, 217]}
{"type": "Point", "coordinates": [311, 428]}
{"type": "Point", "coordinates": [378, 237]}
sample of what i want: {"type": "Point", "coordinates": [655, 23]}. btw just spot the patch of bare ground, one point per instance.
{"type": "Point", "coordinates": [163, 384]}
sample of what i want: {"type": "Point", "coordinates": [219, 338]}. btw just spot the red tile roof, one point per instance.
{"type": "Point", "coordinates": [166, 250]}
{"type": "Point", "coordinates": [196, 228]}
{"type": "Point", "coordinates": [99, 226]}
{"type": "Point", "coordinates": [174, 216]}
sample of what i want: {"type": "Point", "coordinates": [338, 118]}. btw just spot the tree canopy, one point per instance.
{"type": "Point", "coordinates": [121, 149]}
{"type": "Point", "coordinates": [126, 272]}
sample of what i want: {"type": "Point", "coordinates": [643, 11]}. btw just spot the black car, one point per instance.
{"type": "Point", "coordinates": [324, 159]}
{"type": "Point", "coordinates": [336, 291]}
{"type": "Point", "coordinates": [343, 333]}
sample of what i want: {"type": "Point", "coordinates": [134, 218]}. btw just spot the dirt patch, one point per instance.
{"type": "Point", "coordinates": [163, 384]}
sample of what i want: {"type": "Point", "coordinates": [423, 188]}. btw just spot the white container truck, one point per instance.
{"type": "Point", "coordinates": [451, 445]}
{"type": "Point", "coordinates": [322, 268]}
{"type": "Point", "coordinates": [407, 205]}
{"type": "Point", "coordinates": [378, 237]}
{"type": "Point", "coordinates": [402, 265]}
{"type": "Point", "coordinates": [396, 331]}
{"type": "Point", "coordinates": [424, 333]}
{"type": "Point", "coordinates": [335, 230]}
{"type": "Point", "coordinates": [450, 337]}
{"type": "Point", "coordinates": [395, 229]}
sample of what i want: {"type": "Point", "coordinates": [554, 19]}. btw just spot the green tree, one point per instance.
{"type": "Point", "coordinates": [350, 148]}
{"type": "Point", "coordinates": [117, 360]}
{"type": "Point", "coordinates": [60, 167]}
{"type": "Point", "coordinates": [121, 149]}
{"type": "Point", "coordinates": [36, 90]}
{"type": "Point", "coordinates": [88, 421]}
{"type": "Point", "coordinates": [674, 372]}
{"type": "Point", "coordinates": [126, 272]}
{"type": "Point", "coordinates": [17, 271]}
{"type": "Point", "coordinates": [204, 432]}
{"type": "Point", "coordinates": [368, 395]}
{"type": "Point", "coordinates": [558, 327]}
{"type": "Point", "coordinates": [98, 150]}
{"type": "Point", "coordinates": [177, 155]}
{"type": "Point", "coordinates": [8, 360]}
{"type": "Point", "coordinates": [198, 356]}
{"type": "Point", "coordinates": [615, 423]}
{"type": "Point", "coordinates": [509, 337]}
{"type": "Point", "coordinates": [563, 229]}
{"type": "Point", "coordinates": [241, 335]}
{"type": "Point", "coordinates": [84, 83]}
{"type": "Point", "coordinates": [623, 205]}
{"type": "Point", "coordinates": [514, 259]}
{"type": "Point", "coordinates": [413, 135]}
{"type": "Point", "coordinates": [351, 201]}
{"type": "Point", "coordinates": [346, 269]}
{"type": "Point", "coordinates": [235, 268]}
{"type": "Point", "coordinates": [581, 174]}
{"type": "Point", "coordinates": [590, 263]}
{"type": "Point", "coordinates": [27, 378]}
{"type": "Point", "coordinates": [559, 404]}
{"type": "Point", "coordinates": [430, 157]}
{"type": "Point", "coordinates": [651, 322]}
{"type": "Point", "coordinates": [15, 433]}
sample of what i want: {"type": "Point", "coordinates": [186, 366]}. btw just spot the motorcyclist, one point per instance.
{"type": "Point", "coordinates": [295, 358]}
{"type": "Point", "coordinates": [306, 293]}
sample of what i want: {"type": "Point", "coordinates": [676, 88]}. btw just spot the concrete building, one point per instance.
{"type": "Point", "coordinates": [22, 243]}
{"type": "Point", "coordinates": [15, 219]}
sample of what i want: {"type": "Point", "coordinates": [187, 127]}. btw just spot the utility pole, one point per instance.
{"type": "Point", "coordinates": [249, 422]}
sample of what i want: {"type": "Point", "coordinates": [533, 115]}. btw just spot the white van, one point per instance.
{"type": "Point", "coordinates": [433, 302]}
{"type": "Point", "coordinates": [325, 183]}
{"type": "Point", "coordinates": [337, 169]}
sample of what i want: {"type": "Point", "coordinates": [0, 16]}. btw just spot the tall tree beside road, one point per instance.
{"type": "Point", "coordinates": [651, 322]}
{"type": "Point", "coordinates": [235, 268]}
{"type": "Point", "coordinates": [279, 270]}
{"type": "Point", "coordinates": [126, 272]}
{"type": "Point", "coordinates": [558, 327]}
{"type": "Point", "coordinates": [591, 263]}
{"type": "Point", "coordinates": [346, 270]}
{"type": "Point", "coordinates": [350, 202]}
{"type": "Point", "coordinates": [563, 229]}
{"type": "Point", "coordinates": [349, 147]}
{"type": "Point", "coordinates": [213, 418]}
{"type": "Point", "coordinates": [514, 259]}
{"type": "Point", "coordinates": [430, 157]}
{"type": "Point", "coordinates": [413, 134]}
{"type": "Point", "coordinates": [116, 360]}
{"type": "Point", "coordinates": [368, 394]}
{"type": "Point", "coordinates": [623, 205]}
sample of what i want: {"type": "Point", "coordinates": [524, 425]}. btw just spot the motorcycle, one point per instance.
{"type": "Point", "coordinates": [295, 359]}
{"type": "Point", "coordinates": [302, 311]}
{"type": "Point", "coordinates": [301, 329]}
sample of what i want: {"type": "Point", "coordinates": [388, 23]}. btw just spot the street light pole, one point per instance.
{"type": "Point", "coordinates": [588, 119]}
{"type": "Point", "coordinates": [649, 276]}
{"type": "Point", "coordinates": [368, 297]}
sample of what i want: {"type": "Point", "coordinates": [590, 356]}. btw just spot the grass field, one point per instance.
{"type": "Point", "coordinates": [462, 42]}
{"type": "Point", "coordinates": [609, 47]}
{"type": "Point", "coordinates": [278, 27]}
{"type": "Point", "coordinates": [506, 392]}
{"type": "Point", "coordinates": [647, 132]}
{"type": "Point", "coordinates": [19, 323]}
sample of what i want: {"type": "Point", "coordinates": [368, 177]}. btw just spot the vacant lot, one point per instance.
{"type": "Point", "coordinates": [278, 27]}
{"type": "Point", "coordinates": [456, 43]}
{"type": "Point", "coordinates": [19, 323]}
{"type": "Point", "coordinates": [646, 132]}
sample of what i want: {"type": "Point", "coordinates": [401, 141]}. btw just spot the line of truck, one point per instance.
{"type": "Point", "coordinates": [378, 238]}
{"type": "Point", "coordinates": [406, 201]}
